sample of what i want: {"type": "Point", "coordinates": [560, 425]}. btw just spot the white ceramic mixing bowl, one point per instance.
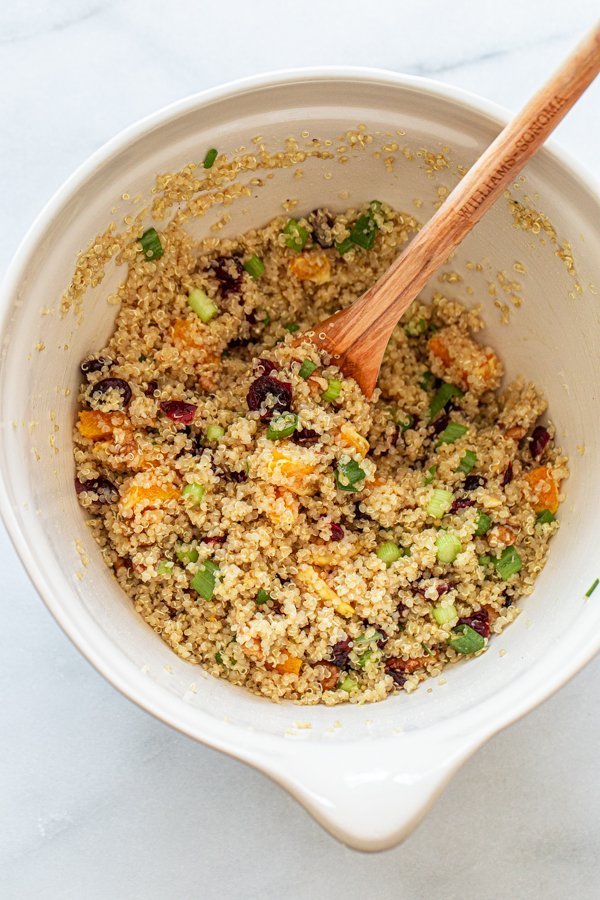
{"type": "Point", "coordinates": [369, 773]}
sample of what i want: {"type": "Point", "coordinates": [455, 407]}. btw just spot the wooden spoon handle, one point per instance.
{"type": "Point", "coordinates": [366, 326]}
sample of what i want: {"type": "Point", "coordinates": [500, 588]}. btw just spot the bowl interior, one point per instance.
{"type": "Point", "coordinates": [551, 338]}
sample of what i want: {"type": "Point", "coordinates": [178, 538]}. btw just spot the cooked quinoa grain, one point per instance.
{"type": "Point", "coordinates": [268, 521]}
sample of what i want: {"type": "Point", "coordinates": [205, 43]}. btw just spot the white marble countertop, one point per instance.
{"type": "Point", "coordinates": [98, 800]}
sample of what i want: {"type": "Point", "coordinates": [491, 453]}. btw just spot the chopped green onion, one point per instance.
{"type": "Point", "coordinates": [468, 462]}
{"type": "Point", "coordinates": [297, 235]}
{"type": "Point", "coordinates": [444, 614]}
{"type": "Point", "coordinates": [452, 432]}
{"type": "Point", "coordinates": [545, 517]}
{"type": "Point", "coordinates": [486, 559]}
{"type": "Point", "coordinates": [187, 555]}
{"type": "Point", "coordinates": [307, 368]}
{"type": "Point", "coordinates": [209, 159]}
{"type": "Point", "coordinates": [347, 684]}
{"type": "Point", "coordinates": [439, 503]}
{"type": "Point", "coordinates": [470, 641]}
{"type": "Point", "coordinates": [334, 389]}
{"type": "Point", "coordinates": [427, 650]}
{"type": "Point", "coordinates": [448, 547]}
{"type": "Point", "coordinates": [282, 426]}
{"type": "Point", "coordinates": [256, 267]}
{"type": "Point", "coordinates": [364, 657]}
{"type": "Point", "coordinates": [427, 381]}
{"type": "Point", "coordinates": [204, 580]}
{"type": "Point", "coordinates": [363, 231]}
{"type": "Point", "coordinates": [408, 423]}
{"type": "Point", "coordinates": [442, 396]}
{"type": "Point", "coordinates": [509, 563]}
{"type": "Point", "coordinates": [214, 433]}
{"type": "Point", "coordinates": [483, 524]}
{"type": "Point", "coordinates": [430, 475]}
{"type": "Point", "coordinates": [164, 567]}
{"type": "Point", "coordinates": [195, 492]}
{"type": "Point", "coordinates": [344, 246]}
{"type": "Point", "coordinates": [266, 321]}
{"type": "Point", "coordinates": [415, 327]}
{"type": "Point", "coordinates": [202, 305]}
{"type": "Point", "coordinates": [292, 327]}
{"type": "Point", "coordinates": [151, 245]}
{"type": "Point", "coordinates": [348, 474]}
{"type": "Point", "coordinates": [262, 597]}
{"type": "Point", "coordinates": [367, 636]}
{"type": "Point", "coordinates": [592, 588]}
{"type": "Point", "coordinates": [389, 552]}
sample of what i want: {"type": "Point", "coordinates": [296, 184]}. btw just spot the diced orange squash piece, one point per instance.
{"type": "Point", "coordinates": [487, 369]}
{"type": "Point", "coordinates": [311, 578]}
{"type": "Point", "coordinates": [502, 536]}
{"type": "Point", "coordinates": [187, 333]}
{"type": "Point", "coordinates": [484, 364]}
{"type": "Point", "coordinates": [289, 464]}
{"type": "Point", "coordinates": [349, 437]}
{"type": "Point", "coordinates": [292, 664]}
{"type": "Point", "coordinates": [284, 509]}
{"type": "Point", "coordinates": [98, 426]}
{"type": "Point", "coordinates": [439, 349]}
{"type": "Point", "coordinates": [544, 488]}
{"type": "Point", "coordinates": [293, 465]}
{"type": "Point", "coordinates": [311, 266]}
{"type": "Point", "coordinates": [147, 496]}
{"type": "Point", "coordinates": [184, 333]}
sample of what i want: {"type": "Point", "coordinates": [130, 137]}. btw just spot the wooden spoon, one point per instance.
{"type": "Point", "coordinates": [356, 337]}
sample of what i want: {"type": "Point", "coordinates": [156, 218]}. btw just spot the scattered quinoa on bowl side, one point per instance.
{"type": "Point", "coordinates": [268, 521]}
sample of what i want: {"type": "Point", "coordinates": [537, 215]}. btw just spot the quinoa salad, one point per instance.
{"type": "Point", "coordinates": [268, 521]}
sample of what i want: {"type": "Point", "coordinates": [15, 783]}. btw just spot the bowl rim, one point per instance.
{"type": "Point", "coordinates": [133, 684]}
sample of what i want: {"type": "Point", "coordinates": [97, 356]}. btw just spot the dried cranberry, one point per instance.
{"type": "Point", "coordinates": [238, 342]}
{"type": "Point", "coordinates": [360, 513]}
{"type": "Point", "coordinates": [151, 388]}
{"type": "Point", "coordinates": [267, 386]}
{"type": "Point", "coordinates": [112, 384]}
{"type": "Point", "coordinates": [251, 318]}
{"type": "Point", "coordinates": [229, 272]}
{"type": "Point", "coordinates": [238, 477]}
{"type": "Point", "coordinates": [266, 366]}
{"type": "Point", "coordinates": [105, 489]}
{"type": "Point", "coordinates": [440, 423]}
{"type": "Point", "coordinates": [461, 503]}
{"type": "Point", "coordinates": [443, 587]}
{"type": "Point", "coordinates": [508, 475]}
{"type": "Point", "coordinates": [179, 411]}
{"type": "Point", "coordinates": [305, 436]}
{"type": "Point", "coordinates": [479, 622]}
{"type": "Point", "coordinates": [321, 223]}
{"type": "Point", "coordinates": [340, 653]}
{"type": "Point", "coordinates": [217, 539]}
{"type": "Point", "coordinates": [472, 482]}
{"type": "Point", "coordinates": [539, 440]}
{"type": "Point", "coordinates": [95, 364]}
{"type": "Point", "coordinates": [395, 667]}
{"type": "Point", "coordinates": [337, 532]}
